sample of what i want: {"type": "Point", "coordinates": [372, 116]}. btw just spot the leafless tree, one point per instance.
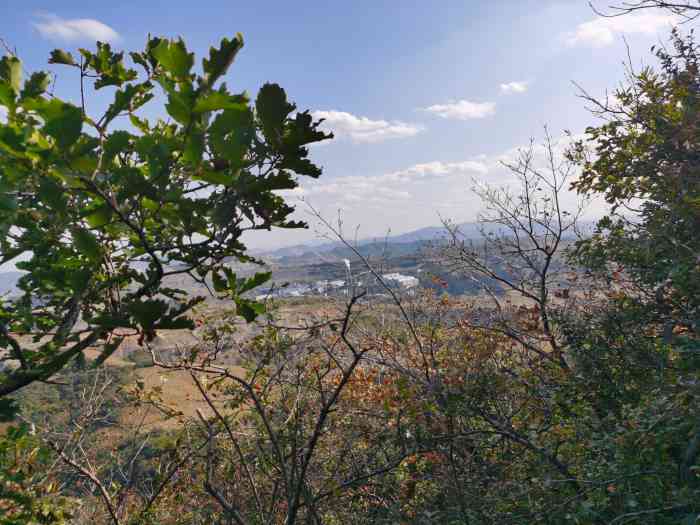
{"type": "Point", "coordinates": [534, 215]}
{"type": "Point", "coordinates": [271, 446]}
{"type": "Point", "coordinates": [524, 233]}
{"type": "Point", "coordinates": [686, 9]}
{"type": "Point", "coordinates": [115, 481]}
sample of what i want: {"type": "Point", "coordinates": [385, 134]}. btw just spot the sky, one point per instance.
{"type": "Point", "coordinates": [423, 97]}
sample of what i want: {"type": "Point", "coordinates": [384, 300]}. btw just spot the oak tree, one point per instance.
{"type": "Point", "coordinates": [99, 211]}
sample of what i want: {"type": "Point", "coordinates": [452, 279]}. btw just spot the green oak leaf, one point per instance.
{"type": "Point", "coordinates": [273, 109]}
{"type": "Point", "coordinates": [221, 59]}
{"type": "Point", "coordinates": [37, 85]}
{"type": "Point", "coordinates": [87, 244]}
{"type": "Point", "coordinates": [59, 56]}
{"type": "Point", "coordinates": [11, 72]}
{"type": "Point", "coordinates": [99, 216]}
{"type": "Point", "coordinates": [173, 57]}
{"type": "Point", "coordinates": [64, 121]}
{"type": "Point", "coordinates": [215, 101]}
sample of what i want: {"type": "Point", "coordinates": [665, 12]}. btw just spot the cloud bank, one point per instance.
{"type": "Point", "coordinates": [387, 189]}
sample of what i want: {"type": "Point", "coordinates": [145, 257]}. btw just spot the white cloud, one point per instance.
{"type": "Point", "coordinates": [516, 86]}
{"type": "Point", "coordinates": [417, 190]}
{"type": "Point", "coordinates": [462, 110]}
{"type": "Point", "coordinates": [438, 168]}
{"type": "Point", "coordinates": [349, 192]}
{"type": "Point", "coordinates": [410, 198]}
{"type": "Point", "coordinates": [3, 113]}
{"type": "Point", "coordinates": [75, 29]}
{"type": "Point", "coordinates": [363, 129]}
{"type": "Point", "coordinates": [404, 185]}
{"type": "Point", "coordinates": [601, 31]}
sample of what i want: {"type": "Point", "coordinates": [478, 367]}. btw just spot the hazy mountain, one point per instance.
{"type": "Point", "coordinates": [412, 240]}
{"type": "Point", "coordinates": [430, 233]}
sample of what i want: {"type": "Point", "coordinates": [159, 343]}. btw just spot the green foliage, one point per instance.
{"type": "Point", "coordinates": [636, 349]}
{"type": "Point", "coordinates": [422, 418]}
{"type": "Point", "coordinates": [645, 159]}
{"type": "Point", "coordinates": [221, 59]}
{"type": "Point", "coordinates": [27, 494]}
{"type": "Point", "coordinates": [102, 216]}
{"type": "Point", "coordinates": [235, 287]}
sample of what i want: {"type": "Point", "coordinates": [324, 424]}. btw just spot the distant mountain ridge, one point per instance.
{"type": "Point", "coordinates": [401, 244]}
{"type": "Point", "coordinates": [469, 230]}
{"type": "Point", "coordinates": [421, 236]}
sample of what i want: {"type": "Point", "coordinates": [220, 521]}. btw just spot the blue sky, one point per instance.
{"type": "Point", "coordinates": [423, 96]}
